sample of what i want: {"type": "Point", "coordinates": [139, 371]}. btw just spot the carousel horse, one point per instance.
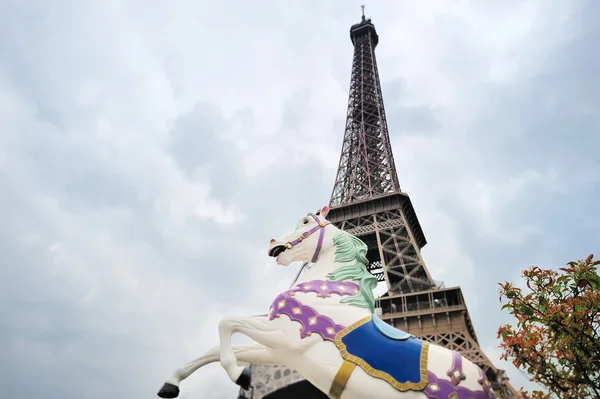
{"type": "Point", "coordinates": [325, 327]}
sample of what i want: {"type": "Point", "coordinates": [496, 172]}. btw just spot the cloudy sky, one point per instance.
{"type": "Point", "coordinates": [150, 149]}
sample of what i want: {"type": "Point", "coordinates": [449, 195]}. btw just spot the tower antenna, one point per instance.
{"type": "Point", "coordinates": [363, 12]}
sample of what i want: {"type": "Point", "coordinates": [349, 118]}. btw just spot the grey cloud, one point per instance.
{"type": "Point", "coordinates": [413, 120]}
{"type": "Point", "coordinates": [122, 128]}
{"type": "Point", "coordinates": [197, 145]}
{"type": "Point", "coordinates": [195, 137]}
{"type": "Point", "coordinates": [405, 118]}
{"type": "Point", "coordinates": [294, 109]}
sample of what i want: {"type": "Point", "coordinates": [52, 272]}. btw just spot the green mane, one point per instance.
{"type": "Point", "coordinates": [349, 249]}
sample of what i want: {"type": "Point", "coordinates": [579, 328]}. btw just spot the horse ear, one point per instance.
{"type": "Point", "coordinates": [324, 211]}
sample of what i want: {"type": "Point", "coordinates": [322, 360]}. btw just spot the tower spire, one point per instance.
{"type": "Point", "coordinates": [366, 168]}
{"type": "Point", "coordinates": [363, 12]}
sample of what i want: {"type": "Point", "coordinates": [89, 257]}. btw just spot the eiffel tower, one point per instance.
{"type": "Point", "coordinates": [367, 201]}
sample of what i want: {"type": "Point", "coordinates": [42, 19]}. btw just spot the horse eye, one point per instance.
{"type": "Point", "coordinates": [305, 221]}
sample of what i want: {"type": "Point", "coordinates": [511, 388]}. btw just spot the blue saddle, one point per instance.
{"type": "Point", "coordinates": [385, 352]}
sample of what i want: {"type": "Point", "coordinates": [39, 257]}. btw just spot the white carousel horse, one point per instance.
{"type": "Point", "coordinates": [326, 329]}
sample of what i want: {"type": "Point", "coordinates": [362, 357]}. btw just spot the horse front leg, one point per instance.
{"type": "Point", "coordinates": [258, 329]}
{"type": "Point", "coordinates": [245, 355]}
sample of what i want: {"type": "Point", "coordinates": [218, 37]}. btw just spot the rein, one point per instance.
{"type": "Point", "coordinates": [298, 274]}
{"type": "Point", "coordinates": [291, 286]}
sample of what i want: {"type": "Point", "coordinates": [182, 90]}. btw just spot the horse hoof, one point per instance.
{"type": "Point", "coordinates": [168, 391]}
{"type": "Point", "coordinates": [244, 379]}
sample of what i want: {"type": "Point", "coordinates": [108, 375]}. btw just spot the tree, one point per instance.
{"type": "Point", "coordinates": [556, 339]}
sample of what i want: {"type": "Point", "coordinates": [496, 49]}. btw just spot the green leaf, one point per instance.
{"type": "Point", "coordinates": [527, 310]}
{"type": "Point", "coordinates": [578, 308]}
{"type": "Point", "coordinates": [504, 335]}
{"type": "Point", "coordinates": [557, 289]}
{"type": "Point", "coordinates": [543, 309]}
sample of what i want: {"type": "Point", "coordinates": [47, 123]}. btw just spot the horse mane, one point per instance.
{"type": "Point", "coordinates": [349, 248]}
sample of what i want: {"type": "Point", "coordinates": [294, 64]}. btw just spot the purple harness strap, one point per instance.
{"type": "Point", "coordinates": [306, 234]}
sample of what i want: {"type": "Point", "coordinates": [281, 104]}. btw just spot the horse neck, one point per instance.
{"type": "Point", "coordinates": [324, 265]}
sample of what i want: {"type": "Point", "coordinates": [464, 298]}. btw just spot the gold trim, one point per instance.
{"type": "Point", "coordinates": [401, 386]}
{"type": "Point", "coordinates": [341, 379]}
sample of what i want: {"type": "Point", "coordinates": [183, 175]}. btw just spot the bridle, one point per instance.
{"type": "Point", "coordinates": [303, 237]}
{"type": "Point", "coordinates": [321, 228]}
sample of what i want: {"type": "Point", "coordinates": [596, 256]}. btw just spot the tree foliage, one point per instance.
{"type": "Point", "coordinates": [556, 338]}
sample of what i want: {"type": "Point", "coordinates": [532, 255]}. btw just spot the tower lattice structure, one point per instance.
{"type": "Point", "coordinates": [367, 201]}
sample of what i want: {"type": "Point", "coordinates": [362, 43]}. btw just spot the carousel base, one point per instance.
{"type": "Point", "coordinates": [298, 390]}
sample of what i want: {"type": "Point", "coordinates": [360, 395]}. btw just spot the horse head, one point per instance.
{"type": "Point", "coordinates": [312, 236]}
